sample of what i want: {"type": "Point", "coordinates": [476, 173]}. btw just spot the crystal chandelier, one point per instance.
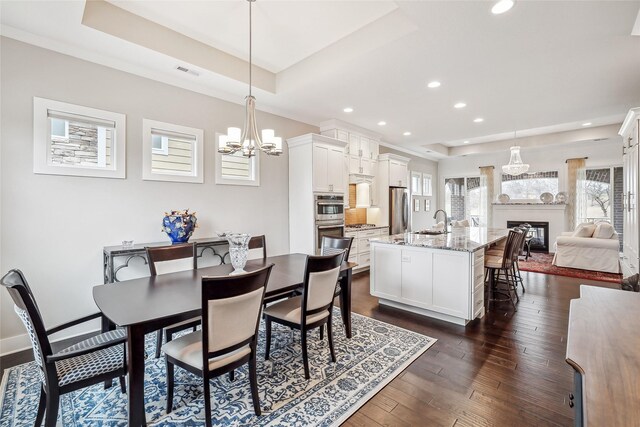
{"type": "Point", "coordinates": [515, 166]}
{"type": "Point", "coordinates": [248, 141]}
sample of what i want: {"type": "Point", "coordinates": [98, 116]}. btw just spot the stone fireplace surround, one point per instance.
{"type": "Point", "coordinates": [554, 214]}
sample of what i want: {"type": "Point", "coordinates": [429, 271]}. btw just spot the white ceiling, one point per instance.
{"type": "Point", "coordinates": [541, 67]}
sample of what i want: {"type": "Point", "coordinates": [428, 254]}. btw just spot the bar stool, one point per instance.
{"type": "Point", "coordinates": [496, 266]}
{"type": "Point", "coordinates": [526, 228]}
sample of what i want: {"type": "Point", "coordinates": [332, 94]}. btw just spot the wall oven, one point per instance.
{"type": "Point", "coordinates": [329, 216]}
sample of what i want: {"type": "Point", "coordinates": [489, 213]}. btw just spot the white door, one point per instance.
{"type": "Point", "coordinates": [320, 168]}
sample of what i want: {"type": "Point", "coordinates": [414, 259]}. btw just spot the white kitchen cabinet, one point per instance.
{"type": "Point", "coordinates": [360, 248]}
{"type": "Point", "coordinates": [398, 172]}
{"type": "Point", "coordinates": [328, 169]}
{"type": "Point", "coordinates": [444, 284]}
{"type": "Point", "coordinates": [362, 166]}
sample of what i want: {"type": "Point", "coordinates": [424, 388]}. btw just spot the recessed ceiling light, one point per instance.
{"type": "Point", "coordinates": [465, 142]}
{"type": "Point", "coordinates": [478, 120]}
{"type": "Point", "coordinates": [434, 84]}
{"type": "Point", "coordinates": [460, 105]}
{"type": "Point", "coordinates": [348, 110]}
{"type": "Point", "coordinates": [407, 133]}
{"type": "Point", "coordinates": [502, 6]}
{"type": "Point", "coordinates": [587, 124]}
{"type": "Point", "coordinates": [382, 123]}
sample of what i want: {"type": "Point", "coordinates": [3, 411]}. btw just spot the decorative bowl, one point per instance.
{"type": "Point", "coordinates": [562, 197]}
{"type": "Point", "coordinates": [546, 198]}
{"type": "Point", "coordinates": [504, 198]}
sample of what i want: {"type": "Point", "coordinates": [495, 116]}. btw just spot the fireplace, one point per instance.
{"type": "Point", "coordinates": [539, 233]}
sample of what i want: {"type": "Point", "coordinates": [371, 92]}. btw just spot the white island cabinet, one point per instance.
{"type": "Point", "coordinates": [436, 276]}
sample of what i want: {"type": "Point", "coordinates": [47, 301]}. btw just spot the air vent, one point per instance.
{"type": "Point", "coordinates": [188, 71]}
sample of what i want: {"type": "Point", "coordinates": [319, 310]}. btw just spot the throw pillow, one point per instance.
{"type": "Point", "coordinates": [603, 230]}
{"type": "Point", "coordinates": [584, 230]}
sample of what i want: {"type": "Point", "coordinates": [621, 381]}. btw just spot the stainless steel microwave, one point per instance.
{"type": "Point", "coordinates": [329, 207]}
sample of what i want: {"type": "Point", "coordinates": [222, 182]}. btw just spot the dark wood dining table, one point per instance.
{"type": "Point", "coordinates": [148, 304]}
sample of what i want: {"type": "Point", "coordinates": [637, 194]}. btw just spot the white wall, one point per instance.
{"type": "Point", "coordinates": [54, 227]}
{"type": "Point", "coordinates": [541, 159]}
{"type": "Point", "coordinates": [420, 220]}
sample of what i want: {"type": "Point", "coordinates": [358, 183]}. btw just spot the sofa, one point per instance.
{"type": "Point", "coordinates": [589, 247]}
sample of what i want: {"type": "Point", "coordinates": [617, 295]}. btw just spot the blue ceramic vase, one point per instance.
{"type": "Point", "coordinates": [179, 227]}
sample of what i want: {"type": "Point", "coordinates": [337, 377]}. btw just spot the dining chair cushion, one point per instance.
{"type": "Point", "coordinates": [89, 365]}
{"type": "Point", "coordinates": [291, 311]}
{"type": "Point", "coordinates": [493, 261]}
{"type": "Point", "coordinates": [188, 349]}
{"type": "Point", "coordinates": [322, 288]}
{"type": "Point", "coordinates": [233, 320]}
{"type": "Point", "coordinates": [106, 337]}
{"type": "Point", "coordinates": [494, 252]}
{"type": "Point", "coordinates": [174, 265]}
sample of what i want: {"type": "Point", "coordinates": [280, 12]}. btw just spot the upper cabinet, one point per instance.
{"type": "Point", "coordinates": [318, 163]}
{"type": "Point", "coordinates": [394, 170]}
{"type": "Point", "coordinates": [362, 146]}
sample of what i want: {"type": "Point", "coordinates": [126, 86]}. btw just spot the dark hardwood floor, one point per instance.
{"type": "Point", "coordinates": [507, 369]}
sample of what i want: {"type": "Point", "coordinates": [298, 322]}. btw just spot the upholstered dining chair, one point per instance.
{"type": "Point", "coordinates": [313, 308]}
{"type": "Point", "coordinates": [170, 259]}
{"type": "Point", "coordinates": [504, 265]}
{"type": "Point", "coordinates": [231, 316]}
{"type": "Point", "coordinates": [330, 246]}
{"type": "Point", "coordinates": [92, 361]}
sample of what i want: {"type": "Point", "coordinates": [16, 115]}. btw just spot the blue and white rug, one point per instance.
{"type": "Point", "coordinates": [376, 354]}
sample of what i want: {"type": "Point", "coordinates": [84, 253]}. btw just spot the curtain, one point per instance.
{"type": "Point", "coordinates": [577, 178]}
{"type": "Point", "coordinates": [486, 196]}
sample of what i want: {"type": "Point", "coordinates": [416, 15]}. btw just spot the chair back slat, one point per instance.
{"type": "Point", "coordinates": [27, 310]}
{"type": "Point", "coordinates": [333, 245]}
{"type": "Point", "coordinates": [255, 243]}
{"type": "Point", "coordinates": [172, 258]}
{"type": "Point", "coordinates": [511, 247]}
{"type": "Point", "coordinates": [231, 307]}
{"type": "Point", "coordinates": [321, 276]}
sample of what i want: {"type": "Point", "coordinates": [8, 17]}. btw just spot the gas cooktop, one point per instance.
{"type": "Point", "coordinates": [361, 226]}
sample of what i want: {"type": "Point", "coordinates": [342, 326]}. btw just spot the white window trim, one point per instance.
{"type": "Point", "coordinates": [254, 164]}
{"type": "Point", "coordinates": [42, 141]}
{"type": "Point", "coordinates": [164, 148]}
{"type": "Point", "coordinates": [196, 176]}
{"type": "Point", "coordinates": [66, 132]}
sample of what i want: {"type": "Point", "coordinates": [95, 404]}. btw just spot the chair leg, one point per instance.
{"type": "Point", "coordinates": [123, 385]}
{"type": "Point", "coordinates": [305, 359]}
{"type": "Point", "coordinates": [321, 332]}
{"type": "Point", "coordinates": [42, 404]}
{"type": "Point", "coordinates": [170, 383]}
{"type": "Point", "coordinates": [232, 375]}
{"type": "Point", "coordinates": [330, 338]}
{"type": "Point", "coordinates": [53, 401]}
{"type": "Point", "coordinates": [158, 342]}
{"type": "Point", "coordinates": [253, 380]}
{"type": "Point", "coordinates": [207, 401]}
{"type": "Point", "coordinates": [267, 347]}
{"type": "Point", "coordinates": [520, 277]}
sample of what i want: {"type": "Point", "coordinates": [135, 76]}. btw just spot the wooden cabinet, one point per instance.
{"type": "Point", "coordinates": [444, 284]}
{"type": "Point", "coordinates": [630, 132]}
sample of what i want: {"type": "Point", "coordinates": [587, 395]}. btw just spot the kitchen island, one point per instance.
{"type": "Point", "coordinates": [439, 276]}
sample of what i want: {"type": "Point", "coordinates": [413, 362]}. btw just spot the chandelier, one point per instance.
{"type": "Point", "coordinates": [515, 166]}
{"type": "Point", "coordinates": [248, 140]}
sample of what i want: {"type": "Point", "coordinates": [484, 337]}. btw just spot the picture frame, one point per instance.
{"type": "Point", "coordinates": [416, 183]}
{"type": "Point", "coordinates": [427, 205]}
{"type": "Point", "coordinates": [426, 184]}
{"type": "Point", "coordinates": [416, 205]}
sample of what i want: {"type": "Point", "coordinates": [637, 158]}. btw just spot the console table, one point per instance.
{"type": "Point", "coordinates": [603, 347]}
{"type": "Point", "coordinates": [217, 245]}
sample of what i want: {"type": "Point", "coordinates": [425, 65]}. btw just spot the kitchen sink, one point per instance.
{"type": "Point", "coordinates": [430, 232]}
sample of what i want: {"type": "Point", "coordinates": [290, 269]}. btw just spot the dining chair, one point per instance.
{"type": "Point", "coordinates": [313, 308]}
{"type": "Point", "coordinates": [497, 265]}
{"type": "Point", "coordinates": [330, 246]}
{"type": "Point", "coordinates": [91, 361]}
{"type": "Point", "coordinates": [170, 259]}
{"type": "Point", "coordinates": [231, 317]}
{"type": "Point", "coordinates": [258, 242]}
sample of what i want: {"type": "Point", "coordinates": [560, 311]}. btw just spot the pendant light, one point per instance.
{"type": "Point", "coordinates": [248, 141]}
{"type": "Point", "coordinates": [515, 166]}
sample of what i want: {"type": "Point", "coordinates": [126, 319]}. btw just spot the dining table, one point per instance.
{"type": "Point", "coordinates": [147, 304]}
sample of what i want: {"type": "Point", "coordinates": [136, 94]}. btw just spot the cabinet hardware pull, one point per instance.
{"type": "Point", "coordinates": [571, 404]}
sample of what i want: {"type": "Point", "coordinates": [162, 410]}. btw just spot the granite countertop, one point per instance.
{"type": "Point", "coordinates": [350, 229]}
{"type": "Point", "coordinates": [465, 239]}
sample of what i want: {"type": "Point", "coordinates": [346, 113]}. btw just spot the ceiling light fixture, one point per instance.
{"type": "Point", "coordinates": [382, 123]}
{"type": "Point", "coordinates": [515, 166]}
{"type": "Point", "coordinates": [407, 134]}
{"type": "Point", "coordinates": [478, 120]}
{"type": "Point", "coordinates": [460, 105]}
{"type": "Point", "coordinates": [434, 84]}
{"type": "Point", "coordinates": [587, 124]}
{"type": "Point", "coordinates": [348, 110]}
{"type": "Point", "coordinates": [502, 6]}
{"type": "Point", "coordinates": [465, 142]}
{"type": "Point", "coordinates": [249, 142]}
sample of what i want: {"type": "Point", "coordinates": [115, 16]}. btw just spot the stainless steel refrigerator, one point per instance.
{"type": "Point", "coordinates": [398, 210]}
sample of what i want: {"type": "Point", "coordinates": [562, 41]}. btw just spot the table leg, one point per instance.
{"type": "Point", "coordinates": [107, 326]}
{"type": "Point", "coordinates": [345, 301]}
{"type": "Point", "coordinates": [135, 370]}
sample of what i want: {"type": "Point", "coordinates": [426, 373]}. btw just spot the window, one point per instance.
{"type": "Point", "coordinates": [172, 152]}
{"type": "Point", "coordinates": [74, 140]}
{"type": "Point", "coordinates": [530, 186]}
{"type": "Point", "coordinates": [462, 198]}
{"type": "Point", "coordinates": [236, 169]}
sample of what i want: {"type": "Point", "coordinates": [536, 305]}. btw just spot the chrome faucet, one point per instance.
{"type": "Point", "coordinates": [446, 219]}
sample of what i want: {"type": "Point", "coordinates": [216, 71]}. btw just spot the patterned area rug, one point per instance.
{"type": "Point", "coordinates": [541, 263]}
{"type": "Point", "coordinates": [376, 354]}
